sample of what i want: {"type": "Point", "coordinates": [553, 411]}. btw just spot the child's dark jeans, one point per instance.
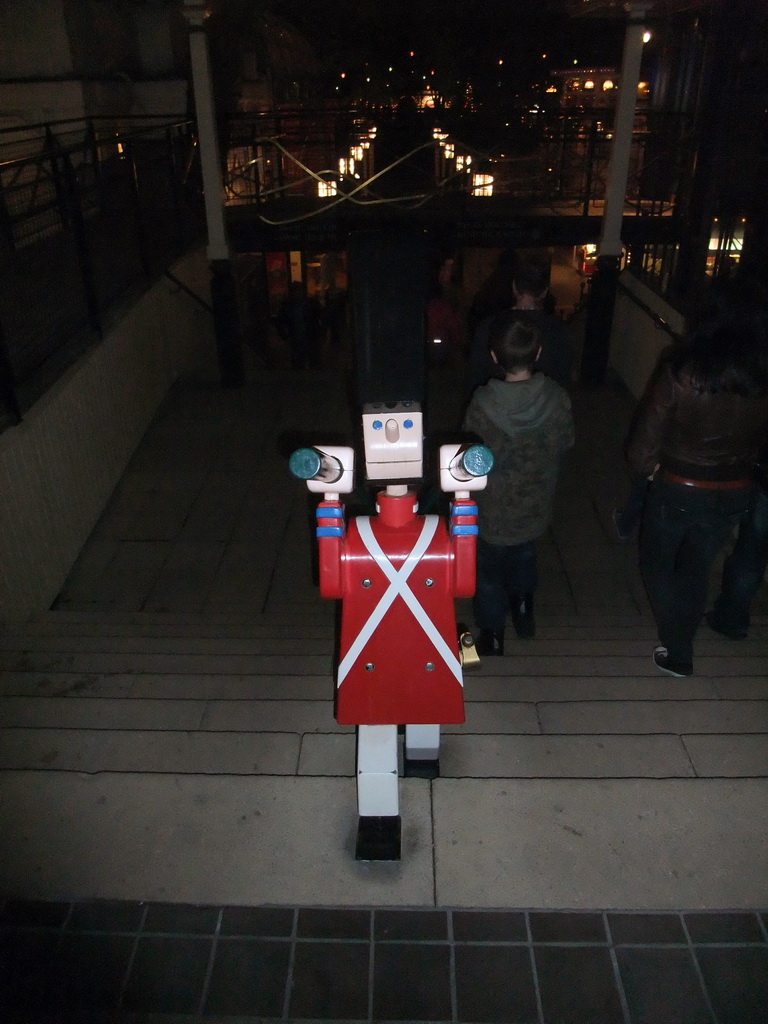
{"type": "Point", "coordinates": [505, 574]}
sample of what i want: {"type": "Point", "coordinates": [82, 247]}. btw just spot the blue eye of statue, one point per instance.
{"type": "Point", "coordinates": [407, 424]}
{"type": "Point", "coordinates": [377, 424]}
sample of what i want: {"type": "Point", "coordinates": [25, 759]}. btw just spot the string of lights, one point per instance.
{"type": "Point", "coordinates": [415, 201]}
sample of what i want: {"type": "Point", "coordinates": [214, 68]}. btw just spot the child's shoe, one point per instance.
{"type": "Point", "coordinates": [522, 617]}
{"type": "Point", "coordinates": [488, 643]}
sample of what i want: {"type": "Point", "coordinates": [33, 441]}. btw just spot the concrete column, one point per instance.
{"type": "Point", "coordinates": [626, 101]}
{"type": "Point", "coordinates": [207, 137]}
{"type": "Point", "coordinates": [223, 285]}
{"type": "Point", "coordinates": [602, 299]}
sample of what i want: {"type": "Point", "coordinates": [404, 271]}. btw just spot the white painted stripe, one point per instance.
{"type": "Point", "coordinates": [366, 534]}
{"type": "Point", "coordinates": [398, 586]}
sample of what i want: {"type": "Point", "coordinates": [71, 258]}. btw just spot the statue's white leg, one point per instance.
{"type": "Point", "coordinates": [378, 836]}
{"type": "Point", "coordinates": [422, 751]}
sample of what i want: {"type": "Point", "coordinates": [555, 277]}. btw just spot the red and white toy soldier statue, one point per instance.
{"type": "Point", "coordinates": [397, 574]}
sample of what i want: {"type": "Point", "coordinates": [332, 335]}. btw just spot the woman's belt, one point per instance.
{"type": "Point", "coordinates": [708, 485]}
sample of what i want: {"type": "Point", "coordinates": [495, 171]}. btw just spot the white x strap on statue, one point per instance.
{"type": "Point", "coordinates": [398, 585]}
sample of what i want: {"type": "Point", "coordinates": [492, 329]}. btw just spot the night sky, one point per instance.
{"type": "Point", "coordinates": [458, 39]}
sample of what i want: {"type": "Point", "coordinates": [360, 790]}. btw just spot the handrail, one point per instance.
{"type": "Point", "coordinates": [188, 291]}
{"type": "Point", "coordinates": [658, 321]}
{"type": "Point", "coordinates": [73, 202]}
{"type": "Point", "coordinates": [73, 147]}
{"type": "Point", "coordinates": [83, 119]}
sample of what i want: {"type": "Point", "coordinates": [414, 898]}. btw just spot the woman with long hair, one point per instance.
{"type": "Point", "coordinates": [699, 433]}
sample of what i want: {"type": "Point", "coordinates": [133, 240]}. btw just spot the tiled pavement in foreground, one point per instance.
{"type": "Point", "coordinates": [151, 962]}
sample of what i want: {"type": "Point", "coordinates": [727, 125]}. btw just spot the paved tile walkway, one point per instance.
{"type": "Point", "coordinates": [123, 961]}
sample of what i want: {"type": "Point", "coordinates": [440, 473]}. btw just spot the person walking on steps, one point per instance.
{"type": "Point", "coordinates": [526, 421]}
{"type": "Point", "coordinates": [530, 291]}
{"type": "Point", "coordinates": [744, 569]}
{"type": "Point", "coordinates": [700, 431]}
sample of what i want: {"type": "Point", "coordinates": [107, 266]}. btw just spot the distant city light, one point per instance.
{"type": "Point", "coordinates": [647, 37]}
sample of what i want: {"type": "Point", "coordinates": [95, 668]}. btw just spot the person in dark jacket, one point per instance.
{"type": "Point", "coordinates": [530, 287]}
{"type": "Point", "coordinates": [744, 569]}
{"type": "Point", "coordinates": [702, 426]}
{"type": "Point", "coordinates": [300, 322]}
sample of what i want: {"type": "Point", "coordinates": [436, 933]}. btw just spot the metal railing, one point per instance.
{"type": "Point", "coordinates": [556, 159]}
{"type": "Point", "coordinates": [91, 212]}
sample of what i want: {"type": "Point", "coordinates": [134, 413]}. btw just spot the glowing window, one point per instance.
{"type": "Point", "coordinates": [482, 184]}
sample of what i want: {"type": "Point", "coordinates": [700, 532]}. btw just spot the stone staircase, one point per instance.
{"type": "Point", "coordinates": [195, 758]}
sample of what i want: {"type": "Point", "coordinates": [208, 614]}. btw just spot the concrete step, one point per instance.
{"type": "Point", "coordinates": [478, 686]}
{"type": "Point", "coordinates": [309, 640]}
{"type": "Point", "coordinates": [317, 622]}
{"type": "Point", "coordinates": [105, 661]}
{"type": "Point", "coordinates": [724, 664]}
{"type": "Point", "coordinates": [99, 618]}
{"type": "Point", "coordinates": [463, 755]}
{"type": "Point", "coordinates": [187, 645]}
{"type": "Point", "coordinates": [618, 844]}
{"type": "Point", "coordinates": [152, 627]}
{"type": "Point", "coordinates": [255, 715]}
{"type": "Point", "coordinates": [196, 758]}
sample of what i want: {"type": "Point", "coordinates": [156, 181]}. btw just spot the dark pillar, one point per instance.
{"type": "Point", "coordinates": [389, 279]}
{"type": "Point", "coordinates": [597, 329]}
{"type": "Point", "coordinates": [8, 396]}
{"type": "Point", "coordinates": [223, 288]}
{"type": "Point", "coordinates": [226, 322]}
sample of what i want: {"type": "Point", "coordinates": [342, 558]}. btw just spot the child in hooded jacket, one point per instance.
{"type": "Point", "coordinates": [526, 421]}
